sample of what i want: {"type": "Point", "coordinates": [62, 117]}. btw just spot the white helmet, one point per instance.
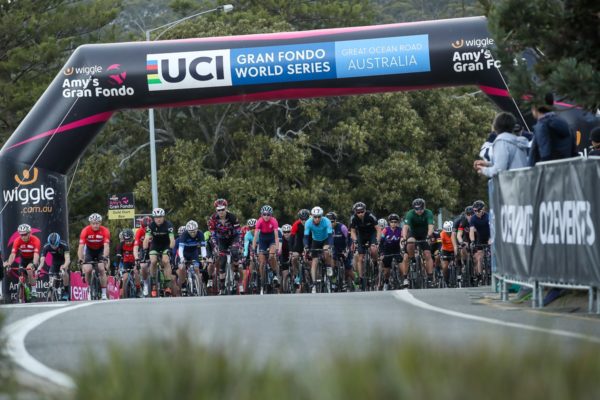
{"type": "Point", "coordinates": [23, 229]}
{"type": "Point", "coordinates": [448, 226]}
{"type": "Point", "coordinates": [180, 230]}
{"type": "Point", "coordinates": [95, 217]}
{"type": "Point", "coordinates": [191, 225]}
{"type": "Point", "coordinates": [382, 222]}
{"type": "Point", "coordinates": [158, 212]}
{"type": "Point", "coordinates": [316, 212]}
{"type": "Point", "coordinates": [287, 228]}
{"type": "Point", "coordinates": [266, 209]}
{"type": "Point", "coordinates": [251, 223]}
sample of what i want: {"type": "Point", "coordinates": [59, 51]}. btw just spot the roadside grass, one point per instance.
{"type": "Point", "coordinates": [183, 369]}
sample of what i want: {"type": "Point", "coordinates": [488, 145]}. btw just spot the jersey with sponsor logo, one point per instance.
{"type": "Point", "coordinates": [92, 239]}
{"type": "Point", "coordinates": [27, 249]}
{"type": "Point", "coordinates": [125, 252]}
{"type": "Point", "coordinates": [226, 228]}
{"type": "Point", "coordinates": [58, 253]}
{"type": "Point", "coordinates": [161, 234]}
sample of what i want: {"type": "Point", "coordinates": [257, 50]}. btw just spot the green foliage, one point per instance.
{"type": "Point", "coordinates": [422, 10]}
{"type": "Point", "coordinates": [36, 37]}
{"type": "Point", "coordinates": [413, 369]}
{"type": "Point", "coordinates": [564, 37]}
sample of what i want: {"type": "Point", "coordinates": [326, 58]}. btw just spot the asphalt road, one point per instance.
{"type": "Point", "coordinates": [295, 328]}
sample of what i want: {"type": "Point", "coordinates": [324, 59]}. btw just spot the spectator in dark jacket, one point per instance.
{"type": "Point", "coordinates": [552, 137]}
{"type": "Point", "coordinates": [595, 138]}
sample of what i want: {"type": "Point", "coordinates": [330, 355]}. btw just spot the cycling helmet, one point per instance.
{"type": "Point", "coordinates": [191, 225]}
{"type": "Point", "coordinates": [448, 226]}
{"type": "Point", "coordinates": [286, 228]}
{"type": "Point", "coordinates": [382, 223]}
{"type": "Point", "coordinates": [24, 229]}
{"type": "Point", "coordinates": [266, 209]}
{"type": "Point", "coordinates": [393, 217]}
{"type": "Point", "coordinates": [469, 210]}
{"type": "Point", "coordinates": [332, 216]}
{"type": "Point", "coordinates": [180, 230]}
{"type": "Point", "coordinates": [95, 217]}
{"type": "Point", "coordinates": [251, 223]}
{"type": "Point", "coordinates": [418, 204]}
{"type": "Point", "coordinates": [158, 212]}
{"type": "Point", "coordinates": [360, 206]}
{"type": "Point", "coordinates": [304, 214]}
{"type": "Point", "coordinates": [316, 212]}
{"type": "Point", "coordinates": [127, 234]}
{"type": "Point", "coordinates": [220, 203]}
{"type": "Point", "coordinates": [54, 239]}
{"type": "Point", "coordinates": [121, 239]}
{"type": "Point", "coordinates": [146, 221]}
{"type": "Point", "coordinates": [478, 205]}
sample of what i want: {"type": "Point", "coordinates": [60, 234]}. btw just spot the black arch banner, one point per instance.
{"type": "Point", "coordinates": [98, 80]}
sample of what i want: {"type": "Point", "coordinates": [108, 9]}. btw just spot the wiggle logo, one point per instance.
{"type": "Point", "coordinates": [27, 180]}
{"type": "Point", "coordinates": [457, 44]}
{"type": "Point", "coordinates": [69, 71]}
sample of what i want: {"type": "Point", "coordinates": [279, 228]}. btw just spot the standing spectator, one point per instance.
{"type": "Point", "coordinates": [595, 138]}
{"type": "Point", "coordinates": [509, 150]}
{"type": "Point", "coordinates": [552, 137]}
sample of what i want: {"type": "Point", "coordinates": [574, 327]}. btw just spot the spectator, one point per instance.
{"type": "Point", "coordinates": [486, 150]}
{"type": "Point", "coordinates": [595, 138]}
{"type": "Point", "coordinates": [552, 137]}
{"type": "Point", "coordinates": [509, 151]}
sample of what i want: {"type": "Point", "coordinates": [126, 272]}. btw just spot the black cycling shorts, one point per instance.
{"type": "Point", "coordinates": [423, 243]}
{"type": "Point", "coordinates": [93, 255]}
{"type": "Point", "coordinates": [363, 240]}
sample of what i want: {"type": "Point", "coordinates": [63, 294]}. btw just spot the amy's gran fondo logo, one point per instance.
{"type": "Point", "coordinates": [34, 198]}
{"type": "Point", "coordinates": [189, 70]}
{"type": "Point", "coordinates": [96, 81]}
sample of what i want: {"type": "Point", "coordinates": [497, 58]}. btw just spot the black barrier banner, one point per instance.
{"type": "Point", "coordinates": [547, 222]}
{"type": "Point", "coordinates": [34, 196]}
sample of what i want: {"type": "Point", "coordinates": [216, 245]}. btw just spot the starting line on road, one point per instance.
{"type": "Point", "coordinates": [407, 297]}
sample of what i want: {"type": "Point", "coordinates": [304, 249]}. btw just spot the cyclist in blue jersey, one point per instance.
{"type": "Point", "coordinates": [320, 230]}
{"type": "Point", "coordinates": [189, 250]}
{"type": "Point", "coordinates": [479, 234]}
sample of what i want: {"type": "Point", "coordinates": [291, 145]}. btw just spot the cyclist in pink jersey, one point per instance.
{"type": "Point", "coordinates": [268, 241]}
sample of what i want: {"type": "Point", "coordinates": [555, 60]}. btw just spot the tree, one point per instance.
{"type": "Point", "coordinates": [564, 37]}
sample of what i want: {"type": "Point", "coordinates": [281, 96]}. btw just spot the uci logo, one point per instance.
{"type": "Point", "coordinates": [189, 70]}
{"type": "Point", "coordinates": [27, 179]}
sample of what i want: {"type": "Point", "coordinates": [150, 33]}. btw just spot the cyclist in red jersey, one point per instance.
{"type": "Point", "coordinates": [94, 245]}
{"type": "Point", "coordinates": [140, 254]}
{"type": "Point", "coordinates": [28, 247]}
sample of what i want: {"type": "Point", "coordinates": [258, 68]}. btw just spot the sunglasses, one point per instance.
{"type": "Point", "coordinates": [317, 217]}
{"type": "Point", "coordinates": [220, 209]}
{"type": "Point", "coordinates": [360, 211]}
{"type": "Point", "coordinates": [266, 215]}
{"type": "Point", "coordinates": [478, 211]}
{"type": "Point", "coordinates": [24, 234]}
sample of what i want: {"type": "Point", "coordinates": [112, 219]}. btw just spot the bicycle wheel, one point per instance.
{"type": "Point", "coordinates": [21, 293]}
{"type": "Point", "coordinates": [130, 288]}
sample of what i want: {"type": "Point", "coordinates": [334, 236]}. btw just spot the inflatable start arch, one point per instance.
{"type": "Point", "coordinates": [99, 79]}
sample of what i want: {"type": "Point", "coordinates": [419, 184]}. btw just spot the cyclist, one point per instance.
{"type": "Point", "coordinates": [389, 246]}
{"type": "Point", "coordinates": [191, 241]}
{"type": "Point", "coordinates": [297, 234]}
{"type": "Point", "coordinates": [249, 256]}
{"type": "Point", "coordinates": [420, 222]}
{"type": "Point", "coordinates": [60, 259]}
{"type": "Point", "coordinates": [320, 230]}
{"type": "Point", "coordinates": [140, 254]}
{"type": "Point", "coordinates": [340, 247]}
{"type": "Point", "coordinates": [226, 237]}
{"type": "Point", "coordinates": [125, 259]}
{"type": "Point", "coordinates": [448, 251]}
{"type": "Point", "coordinates": [27, 247]}
{"type": "Point", "coordinates": [175, 253]}
{"type": "Point", "coordinates": [266, 228]}
{"type": "Point", "coordinates": [364, 230]}
{"type": "Point", "coordinates": [479, 234]}
{"type": "Point", "coordinates": [285, 256]}
{"type": "Point", "coordinates": [460, 240]}
{"type": "Point", "coordinates": [159, 241]}
{"type": "Point", "coordinates": [94, 246]}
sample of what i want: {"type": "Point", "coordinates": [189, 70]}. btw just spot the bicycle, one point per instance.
{"type": "Point", "coordinates": [323, 285]}
{"type": "Point", "coordinates": [231, 278]}
{"type": "Point", "coordinates": [194, 282]}
{"type": "Point", "coordinates": [55, 287]}
{"type": "Point", "coordinates": [129, 287]}
{"type": "Point", "coordinates": [22, 285]}
{"type": "Point", "coordinates": [94, 284]}
{"type": "Point", "coordinates": [394, 280]}
{"type": "Point", "coordinates": [417, 277]}
{"type": "Point", "coordinates": [486, 265]}
{"type": "Point", "coordinates": [369, 281]}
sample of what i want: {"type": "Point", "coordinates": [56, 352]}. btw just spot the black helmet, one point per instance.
{"type": "Point", "coordinates": [418, 204]}
{"type": "Point", "coordinates": [304, 214]}
{"type": "Point", "coordinates": [332, 216]}
{"type": "Point", "coordinates": [54, 239]}
{"type": "Point", "coordinates": [127, 234]}
{"type": "Point", "coordinates": [393, 217]}
{"type": "Point", "coordinates": [360, 206]}
{"type": "Point", "coordinates": [469, 210]}
{"type": "Point", "coordinates": [478, 205]}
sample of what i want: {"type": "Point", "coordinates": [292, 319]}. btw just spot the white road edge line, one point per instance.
{"type": "Point", "coordinates": [407, 297]}
{"type": "Point", "coordinates": [15, 335]}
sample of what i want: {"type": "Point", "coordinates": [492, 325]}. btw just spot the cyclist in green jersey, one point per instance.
{"type": "Point", "coordinates": [420, 222]}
